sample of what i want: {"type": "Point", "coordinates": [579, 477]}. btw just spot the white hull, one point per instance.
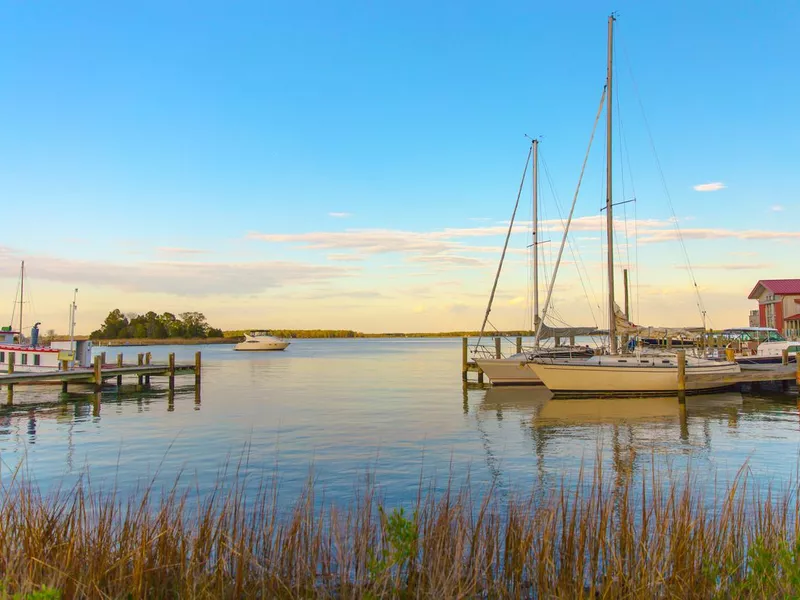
{"type": "Point", "coordinates": [508, 371]}
{"type": "Point", "coordinates": [261, 343]}
{"type": "Point", "coordinates": [614, 376]}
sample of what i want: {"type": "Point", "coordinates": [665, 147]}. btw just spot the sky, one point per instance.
{"type": "Point", "coordinates": [355, 165]}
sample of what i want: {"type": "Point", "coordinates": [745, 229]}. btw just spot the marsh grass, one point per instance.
{"type": "Point", "coordinates": [602, 537]}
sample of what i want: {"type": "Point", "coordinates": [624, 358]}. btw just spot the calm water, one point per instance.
{"type": "Point", "coordinates": [346, 410]}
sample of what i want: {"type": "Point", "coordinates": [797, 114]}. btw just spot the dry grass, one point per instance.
{"type": "Point", "coordinates": [604, 538]}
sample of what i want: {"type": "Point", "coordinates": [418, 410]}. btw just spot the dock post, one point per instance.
{"type": "Point", "coordinates": [172, 371]}
{"type": "Point", "coordinates": [681, 354]}
{"type": "Point", "coordinates": [197, 367]}
{"type": "Point", "coordinates": [98, 372]}
{"type": "Point", "coordinates": [797, 375]}
{"type": "Point", "coordinates": [729, 355]}
{"type": "Point", "coordinates": [785, 356]}
{"type": "Point", "coordinates": [519, 344]}
{"type": "Point", "coordinates": [119, 365]}
{"type": "Point", "coordinates": [147, 358]}
{"type": "Point", "coordinates": [669, 342]}
{"type": "Point", "coordinates": [140, 362]}
{"type": "Point", "coordinates": [11, 356]}
{"type": "Point", "coordinates": [103, 357]}
{"type": "Point", "coordinates": [497, 353]}
{"type": "Point", "coordinates": [464, 358]}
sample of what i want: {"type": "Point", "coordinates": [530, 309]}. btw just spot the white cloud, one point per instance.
{"type": "Point", "coordinates": [776, 207]}
{"type": "Point", "coordinates": [340, 215]}
{"type": "Point", "coordinates": [710, 187]}
{"type": "Point", "coordinates": [733, 267]}
{"type": "Point", "coordinates": [344, 257]}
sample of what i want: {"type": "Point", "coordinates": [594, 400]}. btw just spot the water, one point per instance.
{"type": "Point", "coordinates": [345, 411]}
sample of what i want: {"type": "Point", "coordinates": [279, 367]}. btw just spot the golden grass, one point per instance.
{"type": "Point", "coordinates": [602, 538]}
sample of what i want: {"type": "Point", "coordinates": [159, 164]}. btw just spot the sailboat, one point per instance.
{"type": "Point", "coordinates": [513, 370]}
{"type": "Point", "coordinates": [615, 372]}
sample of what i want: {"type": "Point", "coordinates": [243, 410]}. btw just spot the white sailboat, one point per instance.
{"type": "Point", "coordinates": [513, 370]}
{"type": "Point", "coordinates": [640, 373]}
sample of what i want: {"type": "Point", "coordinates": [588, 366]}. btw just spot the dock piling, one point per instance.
{"type": "Point", "coordinates": [497, 353]}
{"type": "Point", "coordinates": [103, 357]}
{"type": "Point", "coordinates": [98, 372]}
{"type": "Point", "coordinates": [147, 358]}
{"type": "Point", "coordinates": [119, 364]}
{"type": "Point", "coordinates": [171, 370]}
{"type": "Point", "coordinates": [797, 376]}
{"type": "Point", "coordinates": [730, 355]}
{"type": "Point", "coordinates": [197, 368]}
{"type": "Point", "coordinates": [140, 362]}
{"type": "Point", "coordinates": [785, 356]}
{"type": "Point", "coordinates": [464, 356]}
{"type": "Point", "coordinates": [681, 354]}
{"type": "Point", "coordinates": [11, 357]}
{"type": "Point", "coordinates": [519, 344]}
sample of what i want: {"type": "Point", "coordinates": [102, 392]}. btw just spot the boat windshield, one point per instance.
{"type": "Point", "coordinates": [760, 334]}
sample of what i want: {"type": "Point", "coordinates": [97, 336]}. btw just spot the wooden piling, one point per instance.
{"type": "Point", "coordinates": [681, 373]}
{"type": "Point", "coordinates": [730, 355]}
{"type": "Point", "coordinates": [797, 376]}
{"type": "Point", "coordinates": [11, 357]}
{"type": "Point", "coordinates": [171, 370]}
{"type": "Point", "coordinates": [119, 364]}
{"type": "Point", "coordinates": [497, 353]}
{"type": "Point", "coordinates": [464, 355]}
{"type": "Point", "coordinates": [147, 358]}
{"type": "Point", "coordinates": [10, 392]}
{"type": "Point", "coordinates": [197, 368]}
{"type": "Point", "coordinates": [103, 357]}
{"type": "Point", "coordinates": [98, 372]}
{"type": "Point", "coordinates": [519, 344]}
{"type": "Point", "coordinates": [140, 362]}
{"type": "Point", "coordinates": [785, 356]}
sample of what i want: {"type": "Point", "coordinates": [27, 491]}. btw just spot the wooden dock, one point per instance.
{"type": "Point", "coordinates": [101, 372]}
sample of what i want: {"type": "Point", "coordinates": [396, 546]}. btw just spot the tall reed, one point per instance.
{"type": "Point", "coordinates": [604, 537]}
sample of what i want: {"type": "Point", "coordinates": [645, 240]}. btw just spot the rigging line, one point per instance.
{"type": "Point", "coordinates": [569, 219]}
{"type": "Point", "coordinates": [505, 246]}
{"type": "Point", "coordinates": [575, 257]}
{"type": "Point", "coordinates": [700, 305]}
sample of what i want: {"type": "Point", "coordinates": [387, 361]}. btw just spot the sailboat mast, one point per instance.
{"type": "Point", "coordinates": [612, 325]}
{"type": "Point", "coordinates": [535, 144]}
{"type": "Point", "coordinates": [21, 297]}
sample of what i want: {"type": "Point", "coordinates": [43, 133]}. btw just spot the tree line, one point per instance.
{"type": "Point", "coordinates": [118, 325]}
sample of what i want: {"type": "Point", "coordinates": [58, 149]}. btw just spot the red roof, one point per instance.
{"type": "Point", "coordinates": [792, 318]}
{"type": "Point", "coordinates": [781, 287]}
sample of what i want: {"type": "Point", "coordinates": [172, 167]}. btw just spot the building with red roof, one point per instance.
{"type": "Point", "coordinates": [778, 305]}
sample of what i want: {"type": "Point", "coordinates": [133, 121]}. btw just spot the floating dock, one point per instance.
{"type": "Point", "coordinates": [101, 372]}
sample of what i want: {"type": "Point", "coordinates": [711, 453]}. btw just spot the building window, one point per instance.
{"type": "Point", "coordinates": [2, 357]}
{"type": "Point", "coordinates": [24, 359]}
{"type": "Point", "coordinates": [37, 359]}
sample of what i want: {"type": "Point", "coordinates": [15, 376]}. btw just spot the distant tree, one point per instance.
{"type": "Point", "coordinates": [213, 332]}
{"type": "Point", "coordinates": [194, 324]}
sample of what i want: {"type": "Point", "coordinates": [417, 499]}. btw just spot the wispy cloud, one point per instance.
{"type": "Point", "coordinates": [340, 215]}
{"type": "Point", "coordinates": [714, 186]}
{"type": "Point", "coordinates": [776, 207]}
{"type": "Point", "coordinates": [733, 267]}
{"type": "Point", "coordinates": [180, 251]}
{"type": "Point", "coordinates": [449, 259]}
{"type": "Point", "coordinates": [345, 257]}
{"type": "Point", "coordinates": [177, 278]}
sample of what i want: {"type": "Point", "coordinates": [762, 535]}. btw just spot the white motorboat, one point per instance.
{"type": "Point", "coordinates": [260, 341]}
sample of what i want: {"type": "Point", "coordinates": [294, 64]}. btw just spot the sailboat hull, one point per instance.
{"type": "Point", "coordinates": [508, 371]}
{"type": "Point", "coordinates": [585, 379]}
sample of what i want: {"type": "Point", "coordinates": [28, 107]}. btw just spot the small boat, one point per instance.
{"type": "Point", "coordinates": [758, 348]}
{"type": "Point", "coordinates": [260, 341]}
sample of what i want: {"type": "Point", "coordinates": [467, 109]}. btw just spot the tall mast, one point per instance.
{"type": "Point", "coordinates": [21, 298]}
{"type": "Point", "coordinates": [612, 325]}
{"type": "Point", "coordinates": [72, 310]}
{"type": "Point", "coordinates": [535, 144]}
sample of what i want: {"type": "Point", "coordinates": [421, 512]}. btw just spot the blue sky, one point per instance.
{"type": "Point", "coordinates": [162, 155]}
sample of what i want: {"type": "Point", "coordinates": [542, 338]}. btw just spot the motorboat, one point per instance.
{"type": "Point", "coordinates": [758, 348]}
{"type": "Point", "coordinates": [260, 341]}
